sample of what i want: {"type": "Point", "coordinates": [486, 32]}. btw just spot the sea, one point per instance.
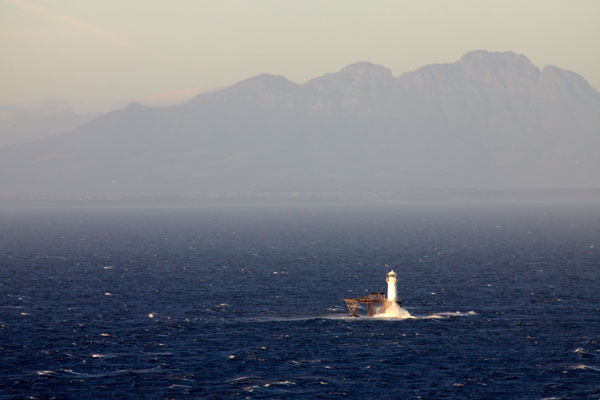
{"type": "Point", "coordinates": [246, 302]}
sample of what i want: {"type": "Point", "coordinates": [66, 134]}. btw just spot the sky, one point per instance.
{"type": "Point", "coordinates": [102, 54]}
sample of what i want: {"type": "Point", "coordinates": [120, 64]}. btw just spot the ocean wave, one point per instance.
{"type": "Point", "coordinates": [585, 367]}
{"type": "Point", "coordinates": [346, 317]}
{"type": "Point", "coordinates": [112, 373]}
{"type": "Point", "coordinates": [98, 355]}
{"type": "Point", "coordinates": [447, 315]}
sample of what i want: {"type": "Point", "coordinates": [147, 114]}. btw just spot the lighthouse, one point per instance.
{"type": "Point", "coordinates": [390, 305]}
{"type": "Point", "coordinates": [391, 281]}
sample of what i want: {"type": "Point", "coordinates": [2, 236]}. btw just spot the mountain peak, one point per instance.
{"type": "Point", "coordinates": [134, 105]}
{"type": "Point", "coordinates": [484, 57]}
{"type": "Point", "coordinates": [265, 81]}
{"type": "Point", "coordinates": [265, 88]}
{"type": "Point", "coordinates": [263, 85]}
{"type": "Point", "coordinates": [366, 69]}
{"type": "Point", "coordinates": [359, 74]}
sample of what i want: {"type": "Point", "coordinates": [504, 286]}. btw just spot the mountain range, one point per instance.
{"type": "Point", "coordinates": [487, 121]}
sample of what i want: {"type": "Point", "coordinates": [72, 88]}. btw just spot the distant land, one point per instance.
{"type": "Point", "coordinates": [488, 123]}
{"type": "Point", "coordinates": [27, 123]}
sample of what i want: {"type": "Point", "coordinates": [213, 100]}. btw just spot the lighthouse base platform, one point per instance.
{"type": "Point", "coordinates": [370, 301]}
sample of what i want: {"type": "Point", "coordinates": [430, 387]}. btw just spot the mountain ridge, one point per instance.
{"type": "Point", "coordinates": [489, 120]}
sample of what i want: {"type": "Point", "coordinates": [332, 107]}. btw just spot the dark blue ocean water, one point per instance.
{"type": "Point", "coordinates": [245, 302]}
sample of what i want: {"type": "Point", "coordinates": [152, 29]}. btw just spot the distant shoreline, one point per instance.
{"type": "Point", "coordinates": [300, 197]}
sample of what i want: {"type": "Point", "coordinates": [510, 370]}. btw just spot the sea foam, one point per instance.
{"type": "Point", "coordinates": [393, 310]}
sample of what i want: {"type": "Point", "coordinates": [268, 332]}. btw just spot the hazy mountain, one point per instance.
{"type": "Point", "coordinates": [28, 123]}
{"type": "Point", "coordinates": [489, 120]}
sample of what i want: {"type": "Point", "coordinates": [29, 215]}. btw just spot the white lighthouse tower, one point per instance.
{"type": "Point", "coordinates": [391, 281]}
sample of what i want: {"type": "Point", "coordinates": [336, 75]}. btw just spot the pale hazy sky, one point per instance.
{"type": "Point", "coordinates": [99, 54]}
